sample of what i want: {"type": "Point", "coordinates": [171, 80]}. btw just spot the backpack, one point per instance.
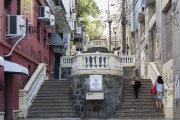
{"type": "Point", "coordinates": [153, 89]}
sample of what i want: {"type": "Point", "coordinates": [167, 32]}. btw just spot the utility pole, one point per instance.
{"type": "Point", "coordinates": [123, 22]}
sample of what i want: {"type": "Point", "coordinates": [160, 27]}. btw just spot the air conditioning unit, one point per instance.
{"type": "Point", "coordinates": [17, 26]}
{"type": "Point", "coordinates": [51, 22]}
{"type": "Point", "coordinates": [44, 13]}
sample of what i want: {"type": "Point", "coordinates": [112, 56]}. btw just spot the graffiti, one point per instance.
{"type": "Point", "coordinates": [21, 95]}
{"type": "Point", "coordinates": [175, 13]}
{"type": "Point", "coordinates": [45, 59]}
{"type": "Point", "coordinates": [177, 87]}
{"type": "Point", "coordinates": [174, 6]}
{"type": "Point", "coordinates": [37, 55]}
{"type": "Point", "coordinates": [175, 19]}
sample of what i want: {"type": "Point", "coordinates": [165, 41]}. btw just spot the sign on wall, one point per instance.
{"type": "Point", "coordinates": [95, 82]}
{"type": "Point", "coordinates": [27, 10]}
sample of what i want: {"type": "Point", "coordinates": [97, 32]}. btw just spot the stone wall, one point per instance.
{"type": "Point", "coordinates": [65, 72]}
{"type": "Point", "coordinates": [112, 88]}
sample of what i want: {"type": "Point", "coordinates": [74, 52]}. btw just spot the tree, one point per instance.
{"type": "Point", "coordinates": [89, 11]}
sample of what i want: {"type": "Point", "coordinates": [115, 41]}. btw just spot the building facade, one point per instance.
{"type": "Point", "coordinates": [154, 41]}
{"type": "Point", "coordinates": [43, 44]}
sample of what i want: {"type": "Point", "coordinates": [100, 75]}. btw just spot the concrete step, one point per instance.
{"type": "Point", "coordinates": [125, 106]}
{"type": "Point", "coordinates": [131, 110]}
{"type": "Point", "coordinates": [51, 93]}
{"type": "Point", "coordinates": [53, 100]}
{"type": "Point", "coordinates": [140, 97]}
{"type": "Point", "coordinates": [56, 100]}
{"type": "Point", "coordinates": [52, 110]}
{"type": "Point", "coordinates": [67, 103]}
{"type": "Point", "coordinates": [39, 115]}
{"type": "Point", "coordinates": [65, 96]}
{"type": "Point", "coordinates": [57, 81]}
{"type": "Point", "coordinates": [54, 88]}
{"type": "Point", "coordinates": [143, 108]}
{"type": "Point", "coordinates": [140, 100]}
{"type": "Point", "coordinates": [138, 103]}
{"type": "Point", "coordinates": [140, 114]}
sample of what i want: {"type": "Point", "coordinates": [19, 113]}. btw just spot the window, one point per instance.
{"type": "Point", "coordinates": [18, 7]}
{"type": "Point", "coordinates": [7, 4]}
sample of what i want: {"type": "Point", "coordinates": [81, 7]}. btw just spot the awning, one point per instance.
{"type": "Point", "coordinates": [58, 9]}
{"type": "Point", "coordinates": [56, 42]}
{"type": "Point", "coordinates": [1, 61]}
{"type": "Point", "coordinates": [55, 39]}
{"type": "Point", "coordinates": [14, 68]}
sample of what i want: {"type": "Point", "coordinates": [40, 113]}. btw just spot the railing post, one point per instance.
{"type": "Point", "coordinates": [168, 103]}
{"type": "Point", "coordinates": [23, 103]}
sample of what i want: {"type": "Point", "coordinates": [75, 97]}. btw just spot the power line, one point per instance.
{"type": "Point", "coordinates": [127, 13]}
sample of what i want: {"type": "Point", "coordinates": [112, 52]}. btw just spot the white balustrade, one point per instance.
{"type": "Point", "coordinates": [96, 62]}
{"type": "Point", "coordinates": [128, 60]}
{"type": "Point", "coordinates": [66, 61]}
{"type": "Point", "coordinates": [153, 73]}
{"type": "Point", "coordinates": [96, 43]}
{"type": "Point", "coordinates": [27, 95]}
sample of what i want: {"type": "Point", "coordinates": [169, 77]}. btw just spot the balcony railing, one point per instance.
{"type": "Point", "coordinates": [27, 95]}
{"type": "Point", "coordinates": [96, 43]}
{"type": "Point", "coordinates": [96, 63]}
{"type": "Point", "coordinates": [66, 61]}
{"type": "Point", "coordinates": [128, 60]}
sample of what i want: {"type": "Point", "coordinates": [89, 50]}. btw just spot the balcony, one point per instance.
{"type": "Point", "coordinates": [96, 63]}
{"type": "Point", "coordinates": [96, 43]}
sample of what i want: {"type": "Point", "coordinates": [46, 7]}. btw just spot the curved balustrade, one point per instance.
{"type": "Point", "coordinates": [27, 94]}
{"type": "Point", "coordinates": [153, 73]}
{"type": "Point", "coordinates": [96, 63]}
{"type": "Point", "coordinates": [96, 43]}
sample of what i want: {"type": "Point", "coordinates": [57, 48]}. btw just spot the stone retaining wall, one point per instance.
{"type": "Point", "coordinates": [112, 88]}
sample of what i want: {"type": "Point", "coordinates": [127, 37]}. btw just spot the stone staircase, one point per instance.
{"type": "Point", "coordinates": [53, 101]}
{"type": "Point", "coordinates": [144, 108]}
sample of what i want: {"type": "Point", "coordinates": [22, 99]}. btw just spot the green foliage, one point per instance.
{"type": "Point", "coordinates": [89, 11]}
{"type": "Point", "coordinates": [87, 7]}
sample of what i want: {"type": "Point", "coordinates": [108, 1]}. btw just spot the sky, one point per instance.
{"type": "Point", "coordinates": [103, 6]}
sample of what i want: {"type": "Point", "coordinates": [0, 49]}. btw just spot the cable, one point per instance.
{"type": "Point", "coordinates": [127, 13]}
{"type": "Point", "coordinates": [15, 45]}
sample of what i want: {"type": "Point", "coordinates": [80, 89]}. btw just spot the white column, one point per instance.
{"type": "Point", "coordinates": [93, 61]}
{"type": "Point", "coordinates": [97, 61]}
{"type": "Point", "coordinates": [88, 61]}
{"type": "Point", "coordinates": [84, 62]}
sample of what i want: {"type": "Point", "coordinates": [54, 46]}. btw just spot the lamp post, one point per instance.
{"type": "Point", "coordinates": [82, 22]}
{"type": "Point", "coordinates": [109, 22]}
{"type": "Point", "coordinates": [115, 31]}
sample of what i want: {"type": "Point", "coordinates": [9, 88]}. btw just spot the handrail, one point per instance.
{"type": "Point", "coordinates": [153, 73]}
{"type": "Point", "coordinates": [156, 73]}
{"type": "Point", "coordinates": [27, 95]}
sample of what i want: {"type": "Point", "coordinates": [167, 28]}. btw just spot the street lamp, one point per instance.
{"type": "Point", "coordinates": [109, 22]}
{"type": "Point", "coordinates": [115, 31]}
{"type": "Point", "coordinates": [82, 22]}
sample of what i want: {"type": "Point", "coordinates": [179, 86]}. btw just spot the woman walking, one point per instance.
{"type": "Point", "coordinates": [159, 93]}
{"type": "Point", "coordinates": [137, 82]}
